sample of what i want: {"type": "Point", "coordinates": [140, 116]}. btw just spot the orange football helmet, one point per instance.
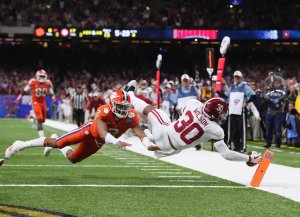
{"type": "Point", "coordinates": [120, 103]}
{"type": "Point", "coordinates": [41, 75]}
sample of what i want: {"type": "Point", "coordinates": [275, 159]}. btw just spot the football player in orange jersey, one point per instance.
{"type": "Point", "coordinates": [111, 122]}
{"type": "Point", "coordinates": [39, 86]}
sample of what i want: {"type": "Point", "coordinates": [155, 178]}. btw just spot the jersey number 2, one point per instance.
{"type": "Point", "coordinates": [184, 127]}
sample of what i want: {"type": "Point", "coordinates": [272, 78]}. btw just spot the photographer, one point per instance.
{"type": "Point", "coordinates": [291, 125]}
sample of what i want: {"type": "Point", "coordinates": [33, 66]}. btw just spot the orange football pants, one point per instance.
{"type": "Point", "coordinates": [87, 143]}
{"type": "Point", "coordinates": [40, 111]}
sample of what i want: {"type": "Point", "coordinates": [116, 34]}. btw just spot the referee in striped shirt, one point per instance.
{"type": "Point", "coordinates": [79, 101]}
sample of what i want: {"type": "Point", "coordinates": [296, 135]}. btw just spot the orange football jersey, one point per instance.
{"type": "Point", "coordinates": [39, 90]}
{"type": "Point", "coordinates": [116, 129]}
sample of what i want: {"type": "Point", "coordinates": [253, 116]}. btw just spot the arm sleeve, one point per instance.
{"type": "Point", "coordinates": [51, 91]}
{"type": "Point", "coordinates": [26, 88]}
{"type": "Point", "coordinates": [228, 154]}
{"type": "Point", "coordinates": [249, 92]}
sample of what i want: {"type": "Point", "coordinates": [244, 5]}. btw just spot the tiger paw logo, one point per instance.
{"type": "Point", "coordinates": [13, 210]}
{"type": "Point", "coordinates": [236, 101]}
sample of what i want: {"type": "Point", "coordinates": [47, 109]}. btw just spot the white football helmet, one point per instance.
{"type": "Point", "coordinates": [41, 75]}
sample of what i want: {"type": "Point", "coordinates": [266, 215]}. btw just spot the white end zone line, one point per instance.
{"type": "Point", "coordinates": [122, 186]}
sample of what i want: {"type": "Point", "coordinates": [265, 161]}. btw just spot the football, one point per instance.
{"type": "Point", "coordinates": [250, 164]}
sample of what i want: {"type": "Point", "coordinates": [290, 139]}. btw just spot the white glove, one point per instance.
{"type": "Point", "coordinates": [255, 157]}
{"type": "Point", "coordinates": [158, 61]}
{"type": "Point", "coordinates": [224, 45]}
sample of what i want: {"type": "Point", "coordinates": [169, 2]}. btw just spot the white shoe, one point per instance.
{"type": "Point", "coordinates": [13, 149]}
{"type": "Point", "coordinates": [1, 162]}
{"type": "Point", "coordinates": [48, 150]}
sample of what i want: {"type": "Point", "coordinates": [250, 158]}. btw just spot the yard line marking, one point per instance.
{"type": "Point", "coordinates": [140, 160]}
{"type": "Point", "coordinates": [173, 172]}
{"type": "Point", "coordinates": [258, 147]}
{"type": "Point", "coordinates": [162, 169]}
{"type": "Point", "coordinates": [187, 180]}
{"type": "Point", "coordinates": [123, 186]}
{"type": "Point", "coordinates": [294, 152]}
{"type": "Point", "coordinates": [128, 158]}
{"type": "Point", "coordinates": [145, 163]}
{"type": "Point", "coordinates": [71, 165]}
{"type": "Point", "coordinates": [179, 176]}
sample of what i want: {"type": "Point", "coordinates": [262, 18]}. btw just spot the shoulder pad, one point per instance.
{"type": "Point", "coordinates": [32, 81]}
{"type": "Point", "coordinates": [49, 82]}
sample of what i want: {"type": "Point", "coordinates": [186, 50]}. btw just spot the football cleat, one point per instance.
{"type": "Point", "coordinates": [1, 162]}
{"type": "Point", "coordinates": [48, 150]}
{"type": "Point", "coordinates": [130, 86]}
{"type": "Point", "coordinates": [13, 149]}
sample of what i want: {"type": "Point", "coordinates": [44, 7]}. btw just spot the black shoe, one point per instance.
{"type": "Point", "coordinates": [130, 86]}
{"type": "Point", "coordinates": [198, 147]}
{"type": "Point", "coordinates": [267, 146]}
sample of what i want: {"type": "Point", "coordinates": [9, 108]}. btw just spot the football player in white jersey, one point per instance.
{"type": "Point", "coordinates": [198, 123]}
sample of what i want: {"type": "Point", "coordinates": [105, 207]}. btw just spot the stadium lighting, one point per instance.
{"type": "Point", "coordinates": [64, 32]}
{"type": "Point", "coordinates": [39, 32]}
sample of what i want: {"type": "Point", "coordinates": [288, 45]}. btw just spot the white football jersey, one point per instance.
{"type": "Point", "coordinates": [193, 128]}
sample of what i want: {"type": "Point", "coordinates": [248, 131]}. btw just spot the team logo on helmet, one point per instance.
{"type": "Point", "coordinates": [216, 109]}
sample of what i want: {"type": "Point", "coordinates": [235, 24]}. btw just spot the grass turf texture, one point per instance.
{"type": "Point", "coordinates": [108, 167]}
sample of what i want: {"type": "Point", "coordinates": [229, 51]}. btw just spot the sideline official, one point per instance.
{"type": "Point", "coordinates": [239, 94]}
{"type": "Point", "coordinates": [79, 101]}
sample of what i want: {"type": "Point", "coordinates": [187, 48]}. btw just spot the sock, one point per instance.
{"type": "Point", "coordinates": [41, 133]}
{"type": "Point", "coordinates": [137, 103]}
{"type": "Point", "coordinates": [64, 150]}
{"type": "Point", "coordinates": [33, 143]}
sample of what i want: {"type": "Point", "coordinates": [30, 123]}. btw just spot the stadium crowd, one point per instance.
{"type": "Point", "coordinates": [98, 86]}
{"type": "Point", "coordinates": [155, 14]}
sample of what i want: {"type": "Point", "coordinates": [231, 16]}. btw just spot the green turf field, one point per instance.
{"type": "Point", "coordinates": [118, 183]}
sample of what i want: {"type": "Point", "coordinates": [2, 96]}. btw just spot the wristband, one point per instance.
{"type": "Point", "coordinates": [110, 139]}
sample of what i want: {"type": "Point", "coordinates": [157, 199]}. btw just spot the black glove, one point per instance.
{"type": "Point", "coordinates": [222, 94]}
{"type": "Point", "coordinates": [251, 99]}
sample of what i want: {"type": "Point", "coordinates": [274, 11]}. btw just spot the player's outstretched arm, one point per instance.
{"type": "Point", "coordinates": [227, 154]}
{"type": "Point", "coordinates": [107, 137]}
{"type": "Point", "coordinates": [145, 140]}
